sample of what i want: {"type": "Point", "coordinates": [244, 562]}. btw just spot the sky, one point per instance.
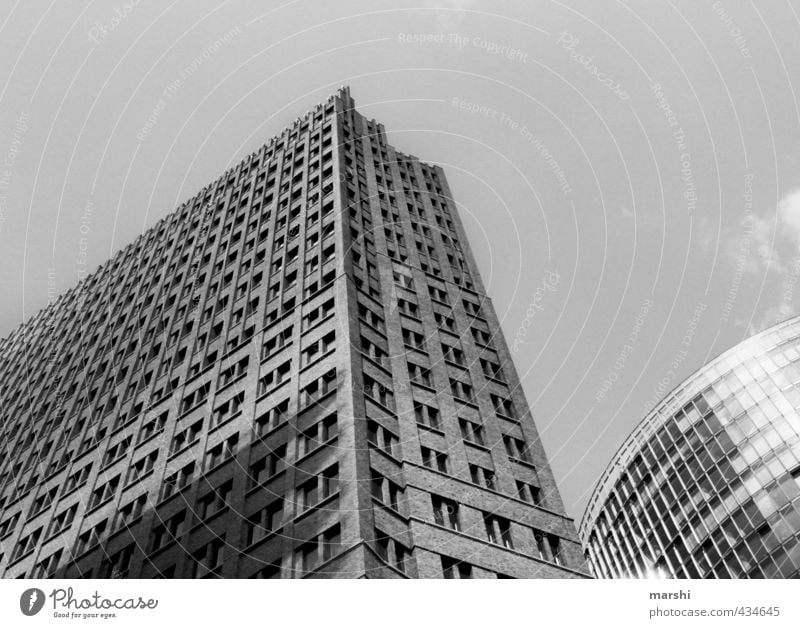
{"type": "Point", "coordinates": [627, 171]}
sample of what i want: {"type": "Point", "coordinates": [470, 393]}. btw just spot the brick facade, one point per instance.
{"type": "Point", "coordinates": [297, 373]}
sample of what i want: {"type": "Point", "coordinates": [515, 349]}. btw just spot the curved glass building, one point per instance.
{"type": "Point", "coordinates": [708, 484]}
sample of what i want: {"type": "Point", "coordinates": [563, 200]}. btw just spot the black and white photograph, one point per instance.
{"type": "Point", "coordinates": [422, 290]}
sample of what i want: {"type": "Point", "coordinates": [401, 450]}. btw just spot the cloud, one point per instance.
{"type": "Point", "coordinates": [789, 217]}
{"type": "Point", "coordinates": [764, 255]}
{"type": "Point", "coordinates": [770, 242]}
{"type": "Point", "coordinates": [449, 19]}
{"type": "Point", "coordinates": [773, 316]}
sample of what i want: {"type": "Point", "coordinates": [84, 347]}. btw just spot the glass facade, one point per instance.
{"type": "Point", "coordinates": [708, 485]}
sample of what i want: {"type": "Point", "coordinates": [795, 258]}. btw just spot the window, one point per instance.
{"type": "Point", "coordinates": [445, 512]}
{"type": "Point", "coordinates": [48, 567]}
{"type": "Point", "coordinates": [26, 544]}
{"type": "Point", "coordinates": [233, 372]}
{"type": "Point", "coordinates": [482, 477]}
{"type": "Point", "coordinates": [7, 525]}
{"type": "Point", "coordinates": [481, 337]}
{"type": "Point", "coordinates": [471, 308]}
{"type": "Point", "coordinates": [453, 569]}
{"type": "Point", "coordinates": [276, 343]}
{"type": "Point", "coordinates": [445, 322]}
{"type": "Point", "coordinates": [61, 522]}
{"type": "Point", "coordinates": [413, 339]}
{"type": "Point", "coordinates": [103, 493]}
{"type": "Point", "coordinates": [317, 435]}
{"type": "Point", "coordinates": [221, 452]}
{"type": "Point", "coordinates": [227, 410]}
{"type": "Point", "coordinates": [529, 493]}
{"type": "Point", "coordinates": [216, 500]}
{"type": "Point", "coordinates": [153, 426]}
{"type": "Point", "coordinates": [385, 491]}
{"type": "Point", "coordinates": [93, 437]}
{"type": "Point", "coordinates": [516, 448]}
{"type": "Point", "coordinates": [427, 415]}
{"type": "Point", "coordinates": [318, 314]}
{"type": "Point", "coordinates": [369, 317]}
{"type": "Point", "coordinates": [503, 406]}
{"type": "Point", "coordinates": [555, 549]}
{"type": "Point", "coordinates": [167, 532]}
{"type": "Point", "coordinates": [275, 377]}
{"type": "Point", "coordinates": [272, 418]}
{"type": "Point", "coordinates": [402, 277]}
{"type": "Point", "coordinates": [438, 294]}
{"type": "Point", "coordinates": [263, 522]}
{"type": "Point", "coordinates": [130, 512]}
{"type": "Point", "coordinates": [378, 392]}
{"type": "Point", "coordinates": [381, 438]}
{"type": "Point", "coordinates": [318, 388]}
{"type": "Point", "coordinates": [186, 437]}
{"type": "Point", "coordinates": [208, 560]}
{"type": "Point", "coordinates": [117, 565]}
{"type": "Point", "coordinates": [117, 450]}
{"type": "Point", "coordinates": [318, 488]}
{"type": "Point", "coordinates": [90, 538]}
{"type": "Point", "coordinates": [548, 546]}
{"type": "Point", "coordinates": [141, 467]}
{"type": "Point", "coordinates": [453, 354]}
{"type": "Point", "coordinates": [492, 370]}
{"type": "Point", "coordinates": [408, 308]}
{"type": "Point", "coordinates": [78, 478]}
{"type": "Point", "coordinates": [374, 351]}
{"type": "Point", "coordinates": [419, 374]}
{"type": "Point", "coordinates": [43, 501]}
{"type": "Point", "coordinates": [266, 467]}
{"type": "Point", "coordinates": [270, 572]}
{"type": "Point", "coordinates": [472, 432]}
{"type": "Point", "coordinates": [461, 390]}
{"type": "Point", "coordinates": [318, 348]}
{"type": "Point", "coordinates": [391, 551]}
{"type": "Point", "coordinates": [177, 481]}
{"type": "Point", "coordinates": [434, 459]}
{"type": "Point", "coordinates": [196, 397]}
{"type": "Point", "coordinates": [498, 530]}
{"type": "Point", "coordinates": [318, 550]}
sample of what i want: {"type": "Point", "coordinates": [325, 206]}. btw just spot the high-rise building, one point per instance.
{"type": "Point", "coordinates": [296, 373]}
{"type": "Point", "coordinates": [708, 484]}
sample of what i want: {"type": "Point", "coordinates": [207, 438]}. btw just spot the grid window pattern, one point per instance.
{"type": "Point", "coordinates": [708, 485]}
{"type": "Point", "coordinates": [226, 376]}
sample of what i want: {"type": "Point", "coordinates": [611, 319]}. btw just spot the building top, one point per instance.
{"type": "Point", "coordinates": [92, 278]}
